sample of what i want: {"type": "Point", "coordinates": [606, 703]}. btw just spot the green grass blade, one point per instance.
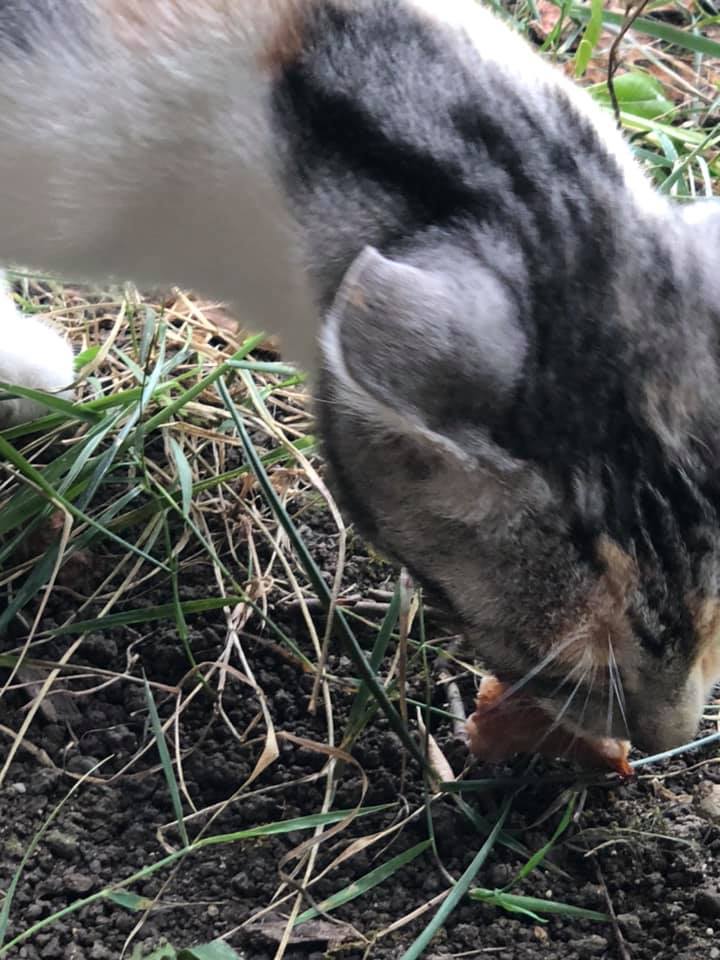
{"type": "Point", "coordinates": [165, 952]}
{"type": "Point", "coordinates": [537, 858]}
{"type": "Point", "coordinates": [130, 901]}
{"type": "Point", "coordinates": [35, 581]}
{"type": "Point", "coordinates": [535, 906]}
{"type": "Point", "coordinates": [266, 830]}
{"type": "Point", "coordinates": [653, 28]}
{"type": "Point", "coordinates": [85, 357]}
{"type": "Point", "coordinates": [710, 141]}
{"type": "Point", "coordinates": [61, 474]}
{"type": "Point", "coordinates": [457, 893]}
{"type": "Point", "coordinates": [122, 398]}
{"type": "Point", "coordinates": [49, 400]}
{"type": "Point", "coordinates": [276, 827]}
{"type": "Point", "coordinates": [590, 37]}
{"type": "Point", "coordinates": [366, 882]}
{"type": "Point", "coordinates": [217, 950]}
{"type": "Point", "coordinates": [184, 473]}
{"type": "Point", "coordinates": [29, 851]}
{"type": "Point", "coordinates": [148, 333]}
{"type": "Point", "coordinates": [166, 763]}
{"type": "Point", "coordinates": [30, 473]}
{"type": "Point", "coordinates": [260, 366]}
{"type": "Point", "coordinates": [162, 611]}
{"type": "Point", "coordinates": [666, 136]}
{"type": "Point", "coordinates": [357, 718]}
{"type": "Point", "coordinates": [354, 650]}
{"type": "Point", "coordinates": [178, 403]}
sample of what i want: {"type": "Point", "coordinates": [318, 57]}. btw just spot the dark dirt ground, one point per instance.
{"type": "Point", "coordinates": [648, 850]}
{"type": "Point", "coordinates": [655, 840]}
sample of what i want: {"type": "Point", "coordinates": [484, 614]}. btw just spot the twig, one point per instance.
{"type": "Point", "coordinates": [366, 608]}
{"type": "Point", "coordinates": [630, 18]}
{"type": "Point", "coordinates": [455, 705]}
{"type": "Point", "coordinates": [622, 946]}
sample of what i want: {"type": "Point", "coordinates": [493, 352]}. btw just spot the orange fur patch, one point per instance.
{"type": "Point", "coordinates": [151, 14]}
{"type": "Point", "coordinates": [276, 24]}
{"type": "Point", "coordinates": [604, 621]}
{"type": "Point", "coordinates": [706, 617]}
{"type": "Point", "coordinates": [285, 42]}
{"type": "Point", "coordinates": [142, 23]}
{"type": "Point", "coordinates": [621, 572]}
{"type": "Point", "coordinates": [285, 31]}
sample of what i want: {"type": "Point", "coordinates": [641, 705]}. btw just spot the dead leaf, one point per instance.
{"type": "Point", "coordinates": [548, 16]}
{"type": "Point", "coordinates": [312, 931]}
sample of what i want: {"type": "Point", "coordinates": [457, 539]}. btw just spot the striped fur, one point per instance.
{"type": "Point", "coordinates": [518, 384]}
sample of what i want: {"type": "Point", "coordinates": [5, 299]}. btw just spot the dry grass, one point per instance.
{"type": "Point", "coordinates": [112, 515]}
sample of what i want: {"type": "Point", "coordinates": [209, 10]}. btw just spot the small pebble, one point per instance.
{"type": "Point", "coordinates": [592, 946]}
{"type": "Point", "coordinates": [500, 874]}
{"type": "Point", "coordinates": [631, 927]}
{"type": "Point", "coordinates": [707, 903]}
{"type": "Point", "coordinates": [79, 764]}
{"type": "Point", "coordinates": [707, 800]}
{"type": "Point", "coordinates": [78, 883]}
{"type": "Point", "coordinates": [42, 781]}
{"type": "Point", "coordinates": [61, 844]}
{"type": "Point", "coordinates": [52, 949]}
{"type": "Point", "coordinates": [99, 952]}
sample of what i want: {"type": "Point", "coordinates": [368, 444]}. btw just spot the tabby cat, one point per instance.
{"type": "Point", "coordinates": [517, 384]}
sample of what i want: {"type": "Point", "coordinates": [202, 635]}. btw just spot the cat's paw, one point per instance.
{"type": "Point", "coordinates": [32, 354]}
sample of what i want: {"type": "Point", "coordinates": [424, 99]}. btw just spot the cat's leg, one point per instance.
{"type": "Point", "coordinates": [32, 354]}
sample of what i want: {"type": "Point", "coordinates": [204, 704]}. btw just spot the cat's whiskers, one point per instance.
{"type": "Point", "coordinates": [584, 669]}
{"type": "Point", "coordinates": [577, 727]}
{"type": "Point", "coordinates": [616, 684]}
{"type": "Point", "coordinates": [593, 676]}
{"type": "Point", "coordinates": [552, 655]}
{"type": "Point", "coordinates": [584, 666]}
{"type": "Point", "coordinates": [610, 706]}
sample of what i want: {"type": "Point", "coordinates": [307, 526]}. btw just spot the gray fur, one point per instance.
{"type": "Point", "coordinates": [519, 392]}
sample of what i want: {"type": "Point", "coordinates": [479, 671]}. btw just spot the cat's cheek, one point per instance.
{"type": "Point", "coordinates": [707, 665]}
{"type": "Point", "coordinates": [710, 668]}
{"type": "Point", "coordinates": [680, 724]}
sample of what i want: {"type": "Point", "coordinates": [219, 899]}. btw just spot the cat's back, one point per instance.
{"type": "Point", "coordinates": [445, 77]}
{"type": "Point", "coordinates": [323, 124]}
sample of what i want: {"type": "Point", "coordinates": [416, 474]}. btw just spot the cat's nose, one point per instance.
{"type": "Point", "coordinates": [660, 724]}
{"type": "Point", "coordinates": [665, 731]}
{"type": "Point", "coordinates": [655, 741]}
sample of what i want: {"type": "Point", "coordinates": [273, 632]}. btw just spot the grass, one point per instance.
{"type": "Point", "coordinates": [180, 503]}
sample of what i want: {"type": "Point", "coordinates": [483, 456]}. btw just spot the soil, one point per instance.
{"type": "Point", "coordinates": [646, 849]}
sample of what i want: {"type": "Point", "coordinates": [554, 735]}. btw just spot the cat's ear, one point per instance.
{"type": "Point", "coordinates": [429, 346]}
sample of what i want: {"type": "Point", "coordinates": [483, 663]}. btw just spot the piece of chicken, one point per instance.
{"type": "Point", "coordinates": [504, 724]}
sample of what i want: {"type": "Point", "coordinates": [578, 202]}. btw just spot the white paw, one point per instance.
{"type": "Point", "coordinates": [32, 354]}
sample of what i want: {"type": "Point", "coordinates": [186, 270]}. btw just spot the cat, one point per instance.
{"type": "Point", "coordinates": [517, 380]}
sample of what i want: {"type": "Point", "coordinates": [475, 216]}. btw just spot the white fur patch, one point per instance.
{"type": "Point", "coordinates": [32, 354]}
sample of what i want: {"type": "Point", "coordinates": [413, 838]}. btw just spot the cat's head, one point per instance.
{"type": "Point", "coordinates": [592, 579]}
